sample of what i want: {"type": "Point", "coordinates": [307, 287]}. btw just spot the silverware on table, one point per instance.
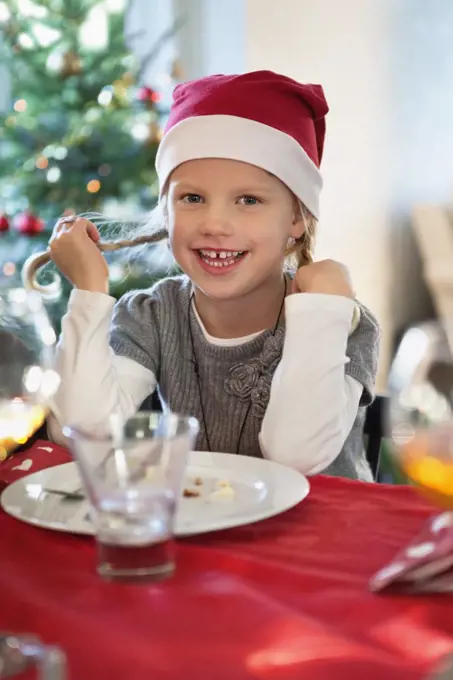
{"type": "Point", "coordinates": [19, 652]}
{"type": "Point", "coordinates": [12, 661]}
{"type": "Point", "coordinates": [76, 495]}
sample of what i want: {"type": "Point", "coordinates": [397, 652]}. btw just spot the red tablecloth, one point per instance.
{"type": "Point", "coordinates": [282, 599]}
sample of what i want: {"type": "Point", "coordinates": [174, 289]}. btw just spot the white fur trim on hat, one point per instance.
{"type": "Point", "coordinates": [241, 139]}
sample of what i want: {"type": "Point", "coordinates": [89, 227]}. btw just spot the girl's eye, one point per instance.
{"type": "Point", "coordinates": [249, 200]}
{"type": "Point", "coordinates": [191, 198]}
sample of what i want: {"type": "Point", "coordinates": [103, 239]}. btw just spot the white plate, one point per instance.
{"type": "Point", "coordinates": [262, 489]}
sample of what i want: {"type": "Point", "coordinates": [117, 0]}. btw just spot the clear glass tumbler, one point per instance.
{"type": "Point", "coordinates": [133, 474]}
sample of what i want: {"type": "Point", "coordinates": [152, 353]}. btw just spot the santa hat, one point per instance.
{"type": "Point", "coordinates": [261, 118]}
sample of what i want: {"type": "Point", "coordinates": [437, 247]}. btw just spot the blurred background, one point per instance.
{"type": "Point", "coordinates": [85, 87]}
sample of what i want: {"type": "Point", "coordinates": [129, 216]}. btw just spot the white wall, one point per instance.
{"type": "Point", "coordinates": [344, 46]}
{"type": "Point", "coordinates": [421, 129]}
{"type": "Point", "coordinates": [145, 24]}
{"type": "Point", "coordinates": [422, 100]}
{"type": "Point", "coordinates": [212, 39]}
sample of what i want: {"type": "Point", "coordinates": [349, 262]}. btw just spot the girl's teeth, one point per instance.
{"type": "Point", "coordinates": [222, 258]}
{"type": "Point", "coordinates": [222, 263]}
{"type": "Point", "coordinates": [222, 254]}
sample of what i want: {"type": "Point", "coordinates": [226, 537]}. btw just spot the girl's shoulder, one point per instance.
{"type": "Point", "coordinates": [165, 290]}
{"type": "Point", "coordinates": [165, 296]}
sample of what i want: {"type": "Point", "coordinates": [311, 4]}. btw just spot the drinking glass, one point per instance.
{"type": "Point", "coordinates": [27, 377]}
{"type": "Point", "coordinates": [421, 410]}
{"type": "Point", "coordinates": [132, 474]}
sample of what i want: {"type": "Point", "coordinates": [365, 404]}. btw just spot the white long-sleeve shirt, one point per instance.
{"type": "Point", "coordinates": [295, 429]}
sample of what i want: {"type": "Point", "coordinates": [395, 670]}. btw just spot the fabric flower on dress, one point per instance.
{"type": "Point", "coordinates": [252, 380]}
{"type": "Point", "coordinates": [242, 378]}
{"type": "Point", "coordinates": [260, 395]}
{"type": "Point", "coordinates": [272, 351]}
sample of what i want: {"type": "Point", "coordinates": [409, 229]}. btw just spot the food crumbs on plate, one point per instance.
{"type": "Point", "coordinates": [224, 490]}
{"type": "Point", "coordinates": [190, 493]}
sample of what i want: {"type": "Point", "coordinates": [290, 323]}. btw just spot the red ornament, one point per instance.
{"type": "Point", "coordinates": [4, 223]}
{"type": "Point", "coordinates": [28, 224]}
{"type": "Point", "coordinates": [148, 95]}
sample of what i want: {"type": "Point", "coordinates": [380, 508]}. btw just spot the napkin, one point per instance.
{"type": "Point", "coordinates": [425, 565]}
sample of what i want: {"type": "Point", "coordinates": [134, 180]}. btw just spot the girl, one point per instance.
{"type": "Point", "coordinates": [264, 359]}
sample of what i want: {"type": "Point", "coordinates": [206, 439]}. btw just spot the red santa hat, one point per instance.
{"type": "Point", "coordinates": [261, 118]}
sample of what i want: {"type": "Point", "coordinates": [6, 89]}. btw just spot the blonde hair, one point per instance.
{"type": "Point", "coordinates": [147, 231]}
{"type": "Point", "coordinates": [301, 252]}
{"type": "Point", "coordinates": [152, 230]}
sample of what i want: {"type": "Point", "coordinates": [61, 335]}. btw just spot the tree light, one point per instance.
{"type": "Point", "coordinates": [20, 105]}
{"type": "Point", "coordinates": [140, 131]}
{"type": "Point", "coordinates": [93, 186]}
{"type": "Point", "coordinates": [45, 35]}
{"type": "Point", "coordinates": [25, 41]}
{"type": "Point", "coordinates": [105, 95]}
{"type": "Point", "coordinates": [94, 32]}
{"type": "Point", "coordinates": [115, 5]}
{"type": "Point", "coordinates": [42, 163]}
{"type": "Point", "coordinates": [60, 153]}
{"type": "Point", "coordinates": [5, 14]}
{"type": "Point", "coordinates": [53, 174]}
{"type": "Point", "coordinates": [9, 268]}
{"type": "Point", "coordinates": [30, 9]}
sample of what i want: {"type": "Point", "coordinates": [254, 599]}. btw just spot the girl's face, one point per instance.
{"type": "Point", "coordinates": [229, 224]}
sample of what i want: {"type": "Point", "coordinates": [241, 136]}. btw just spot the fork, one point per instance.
{"type": "Point", "coordinates": [76, 495]}
{"type": "Point", "coordinates": [134, 475]}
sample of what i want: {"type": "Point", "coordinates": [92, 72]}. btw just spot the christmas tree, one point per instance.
{"type": "Point", "coordinates": [81, 130]}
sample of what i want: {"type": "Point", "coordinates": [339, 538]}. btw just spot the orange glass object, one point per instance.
{"type": "Point", "coordinates": [427, 461]}
{"type": "Point", "coordinates": [18, 422]}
